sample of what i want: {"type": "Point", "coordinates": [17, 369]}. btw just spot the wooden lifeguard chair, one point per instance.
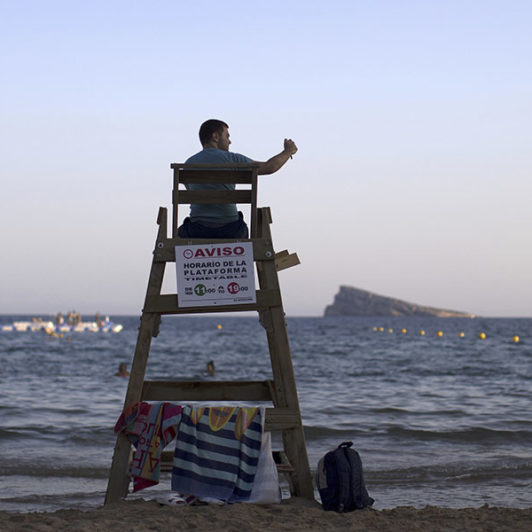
{"type": "Point", "coordinates": [284, 415]}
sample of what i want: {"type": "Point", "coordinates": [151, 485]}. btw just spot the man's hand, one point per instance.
{"type": "Point", "coordinates": [277, 161]}
{"type": "Point", "coordinates": [290, 146]}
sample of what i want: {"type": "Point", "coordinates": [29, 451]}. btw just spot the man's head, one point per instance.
{"type": "Point", "coordinates": [214, 134]}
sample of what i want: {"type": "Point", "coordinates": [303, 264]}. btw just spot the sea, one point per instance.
{"type": "Point", "coordinates": [439, 409]}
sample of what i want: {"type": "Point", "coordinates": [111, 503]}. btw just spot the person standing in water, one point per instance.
{"type": "Point", "coordinates": [122, 370]}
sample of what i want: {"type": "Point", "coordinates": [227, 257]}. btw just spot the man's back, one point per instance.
{"type": "Point", "coordinates": [214, 213]}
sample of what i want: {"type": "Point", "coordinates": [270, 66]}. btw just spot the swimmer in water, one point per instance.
{"type": "Point", "coordinates": [122, 370]}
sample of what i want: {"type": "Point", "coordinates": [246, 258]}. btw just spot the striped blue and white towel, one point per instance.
{"type": "Point", "coordinates": [217, 451]}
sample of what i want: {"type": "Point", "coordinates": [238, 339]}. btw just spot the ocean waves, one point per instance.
{"type": "Point", "coordinates": [437, 420]}
{"type": "Point", "coordinates": [454, 472]}
{"type": "Point", "coordinates": [474, 435]}
{"type": "Point", "coordinates": [405, 435]}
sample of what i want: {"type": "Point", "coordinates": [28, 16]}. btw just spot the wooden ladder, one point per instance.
{"type": "Point", "coordinates": [284, 415]}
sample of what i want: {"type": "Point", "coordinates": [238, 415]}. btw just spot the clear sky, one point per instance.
{"type": "Point", "coordinates": [413, 121]}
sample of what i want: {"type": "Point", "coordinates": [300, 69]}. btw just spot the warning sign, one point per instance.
{"type": "Point", "coordinates": [215, 274]}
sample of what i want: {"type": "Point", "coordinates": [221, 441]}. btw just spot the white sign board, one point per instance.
{"type": "Point", "coordinates": [215, 274]}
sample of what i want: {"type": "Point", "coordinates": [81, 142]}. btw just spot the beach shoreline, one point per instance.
{"type": "Point", "coordinates": [291, 514]}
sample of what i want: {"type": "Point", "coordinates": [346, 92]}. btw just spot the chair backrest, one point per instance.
{"type": "Point", "coordinates": [208, 174]}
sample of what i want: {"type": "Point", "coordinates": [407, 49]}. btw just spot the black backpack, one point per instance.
{"type": "Point", "coordinates": [340, 480]}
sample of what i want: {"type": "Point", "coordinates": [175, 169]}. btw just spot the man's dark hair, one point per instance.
{"type": "Point", "coordinates": [208, 128]}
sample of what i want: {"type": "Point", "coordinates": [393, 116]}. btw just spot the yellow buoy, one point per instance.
{"type": "Point", "coordinates": [482, 336]}
{"type": "Point", "coordinates": [403, 331]}
{"type": "Point", "coordinates": [515, 339]}
{"type": "Point", "coordinates": [461, 335]}
{"type": "Point", "coordinates": [390, 330]}
{"type": "Point", "coordinates": [422, 333]}
{"type": "Point", "coordinates": [374, 328]}
{"type": "Point", "coordinates": [381, 329]}
{"type": "Point", "coordinates": [439, 333]}
{"type": "Point", "coordinates": [219, 326]}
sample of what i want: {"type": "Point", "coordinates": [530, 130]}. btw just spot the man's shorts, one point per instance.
{"type": "Point", "coordinates": [238, 229]}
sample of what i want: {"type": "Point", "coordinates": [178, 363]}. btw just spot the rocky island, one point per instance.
{"type": "Point", "coordinates": [351, 301]}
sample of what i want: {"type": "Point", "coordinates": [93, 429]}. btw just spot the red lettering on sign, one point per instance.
{"type": "Point", "coordinates": [218, 252]}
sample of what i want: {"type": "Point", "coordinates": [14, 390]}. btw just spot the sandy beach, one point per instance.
{"type": "Point", "coordinates": [293, 514]}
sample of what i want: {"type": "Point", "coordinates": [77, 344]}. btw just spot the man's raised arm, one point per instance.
{"type": "Point", "coordinates": [277, 161]}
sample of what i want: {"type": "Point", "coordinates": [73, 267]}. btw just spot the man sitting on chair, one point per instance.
{"type": "Point", "coordinates": [221, 220]}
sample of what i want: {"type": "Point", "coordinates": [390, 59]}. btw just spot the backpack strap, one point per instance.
{"type": "Point", "coordinates": [359, 494]}
{"type": "Point", "coordinates": [343, 471]}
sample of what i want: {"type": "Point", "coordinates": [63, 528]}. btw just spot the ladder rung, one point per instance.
{"type": "Point", "coordinates": [279, 457]}
{"type": "Point", "coordinates": [167, 304]}
{"type": "Point", "coordinates": [213, 166]}
{"type": "Point", "coordinates": [276, 419]}
{"type": "Point", "coordinates": [165, 249]}
{"type": "Point", "coordinates": [242, 176]}
{"type": "Point", "coordinates": [184, 391]}
{"type": "Point", "coordinates": [282, 419]}
{"type": "Point", "coordinates": [212, 196]}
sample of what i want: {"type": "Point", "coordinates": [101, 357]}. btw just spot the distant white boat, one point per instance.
{"type": "Point", "coordinates": [51, 327]}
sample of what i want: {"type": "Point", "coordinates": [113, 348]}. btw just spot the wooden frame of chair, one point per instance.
{"type": "Point", "coordinates": [281, 390]}
{"type": "Point", "coordinates": [212, 174]}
